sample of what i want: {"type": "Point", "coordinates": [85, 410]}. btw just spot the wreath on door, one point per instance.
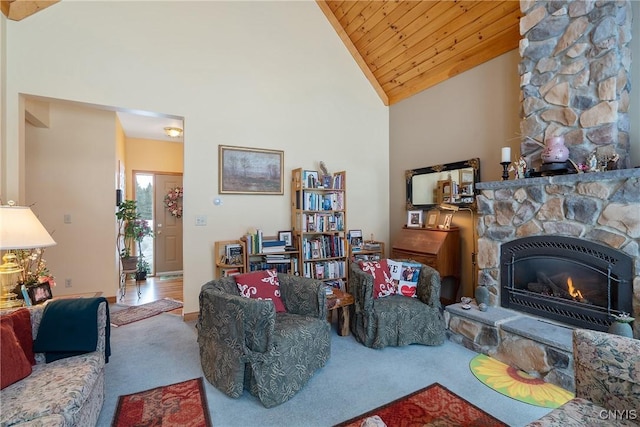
{"type": "Point", "coordinates": [173, 201]}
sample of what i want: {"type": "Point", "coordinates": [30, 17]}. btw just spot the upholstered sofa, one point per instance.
{"type": "Point", "coordinates": [607, 374]}
{"type": "Point", "coordinates": [246, 344]}
{"type": "Point", "coordinates": [396, 320]}
{"type": "Point", "coordinates": [65, 392]}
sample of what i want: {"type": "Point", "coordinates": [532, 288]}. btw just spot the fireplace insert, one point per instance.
{"type": "Point", "coordinates": [567, 279]}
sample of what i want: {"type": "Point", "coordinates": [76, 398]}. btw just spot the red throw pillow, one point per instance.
{"type": "Point", "coordinates": [14, 365]}
{"type": "Point", "coordinates": [383, 284]}
{"type": "Point", "coordinates": [261, 285]}
{"type": "Point", "coordinates": [22, 328]}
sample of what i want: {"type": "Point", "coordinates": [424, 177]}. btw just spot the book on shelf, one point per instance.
{"type": "Point", "coordinates": [272, 249]}
{"type": "Point", "coordinates": [233, 253]}
{"type": "Point", "coordinates": [366, 257]}
{"type": "Point", "coordinates": [371, 246]}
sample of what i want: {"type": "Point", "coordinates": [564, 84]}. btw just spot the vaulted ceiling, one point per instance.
{"type": "Point", "coordinates": [402, 46]}
{"type": "Point", "coordinates": [405, 47]}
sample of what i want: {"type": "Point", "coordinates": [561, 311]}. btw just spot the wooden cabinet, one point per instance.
{"type": "Point", "coordinates": [318, 222]}
{"type": "Point", "coordinates": [436, 248]}
{"type": "Point", "coordinates": [230, 257]}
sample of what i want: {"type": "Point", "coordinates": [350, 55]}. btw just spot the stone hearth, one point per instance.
{"type": "Point", "coordinates": [602, 207]}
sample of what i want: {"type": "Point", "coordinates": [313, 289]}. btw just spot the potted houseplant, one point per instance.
{"type": "Point", "coordinates": [127, 216]}
{"type": "Point", "coordinates": [142, 230]}
{"type": "Point", "coordinates": [143, 268]}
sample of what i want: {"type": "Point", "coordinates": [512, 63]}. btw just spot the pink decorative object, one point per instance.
{"type": "Point", "coordinates": [555, 150]}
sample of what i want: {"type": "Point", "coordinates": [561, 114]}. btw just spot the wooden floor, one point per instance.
{"type": "Point", "coordinates": [153, 289]}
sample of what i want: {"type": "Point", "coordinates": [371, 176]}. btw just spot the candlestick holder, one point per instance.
{"type": "Point", "coordinates": [505, 170]}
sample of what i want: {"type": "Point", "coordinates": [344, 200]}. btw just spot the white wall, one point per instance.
{"type": "Point", "coordinates": [70, 172]}
{"type": "Point", "coordinates": [258, 74]}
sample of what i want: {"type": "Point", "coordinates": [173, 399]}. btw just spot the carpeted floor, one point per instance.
{"type": "Point", "coordinates": [517, 384]}
{"type": "Point", "coordinates": [163, 350]}
{"type": "Point", "coordinates": [431, 406]}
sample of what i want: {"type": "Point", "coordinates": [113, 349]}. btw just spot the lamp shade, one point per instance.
{"type": "Point", "coordinates": [21, 229]}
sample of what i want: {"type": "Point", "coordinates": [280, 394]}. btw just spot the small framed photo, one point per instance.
{"type": "Point", "coordinates": [414, 219]}
{"type": "Point", "coordinates": [466, 176]}
{"type": "Point", "coordinates": [286, 237]}
{"type": "Point", "coordinates": [447, 221]}
{"type": "Point", "coordinates": [310, 179]}
{"type": "Point", "coordinates": [432, 219]}
{"type": "Point", "coordinates": [39, 293]}
{"type": "Point", "coordinates": [355, 239]}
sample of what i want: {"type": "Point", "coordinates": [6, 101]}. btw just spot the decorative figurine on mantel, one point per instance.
{"type": "Point", "coordinates": [592, 162]}
{"type": "Point", "coordinates": [521, 168]}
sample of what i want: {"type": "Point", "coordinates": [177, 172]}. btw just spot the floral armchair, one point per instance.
{"type": "Point", "coordinates": [245, 344]}
{"type": "Point", "coordinates": [396, 320]}
{"type": "Point", "coordinates": [607, 371]}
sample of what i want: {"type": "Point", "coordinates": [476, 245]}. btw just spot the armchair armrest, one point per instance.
{"type": "Point", "coordinates": [428, 289]}
{"type": "Point", "coordinates": [361, 287]}
{"type": "Point", "coordinates": [607, 369]}
{"type": "Point", "coordinates": [303, 296]}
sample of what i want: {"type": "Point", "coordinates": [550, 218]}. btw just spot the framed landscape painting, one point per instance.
{"type": "Point", "coordinates": [243, 170]}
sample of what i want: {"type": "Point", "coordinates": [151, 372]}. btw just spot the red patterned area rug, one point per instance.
{"type": "Point", "coordinates": [182, 404]}
{"type": "Point", "coordinates": [143, 311]}
{"type": "Point", "coordinates": [433, 405]}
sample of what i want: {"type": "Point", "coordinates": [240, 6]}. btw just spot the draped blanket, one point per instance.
{"type": "Point", "coordinates": [68, 328]}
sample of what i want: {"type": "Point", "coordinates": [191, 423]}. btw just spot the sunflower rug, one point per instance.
{"type": "Point", "coordinates": [518, 384]}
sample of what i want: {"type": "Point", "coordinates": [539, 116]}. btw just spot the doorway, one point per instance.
{"type": "Point", "coordinates": [159, 199]}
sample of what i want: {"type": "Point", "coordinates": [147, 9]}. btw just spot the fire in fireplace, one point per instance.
{"type": "Point", "coordinates": [570, 280]}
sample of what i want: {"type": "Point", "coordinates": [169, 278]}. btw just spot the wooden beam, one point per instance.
{"type": "Point", "coordinates": [16, 10]}
{"type": "Point", "coordinates": [324, 7]}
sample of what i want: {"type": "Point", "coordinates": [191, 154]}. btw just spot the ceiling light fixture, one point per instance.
{"type": "Point", "coordinates": [173, 132]}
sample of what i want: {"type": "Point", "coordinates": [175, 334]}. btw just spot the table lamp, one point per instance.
{"type": "Point", "coordinates": [19, 229]}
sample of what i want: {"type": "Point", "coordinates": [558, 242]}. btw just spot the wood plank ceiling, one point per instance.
{"type": "Point", "coordinates": [17, 10]}
{"type": "Point", "coordinates": [407, 46]}
{"type": "Point", "coordinates": [402, 46]}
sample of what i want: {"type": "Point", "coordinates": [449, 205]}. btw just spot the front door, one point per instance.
{"type": "Point", "coordinates": [168, 241]}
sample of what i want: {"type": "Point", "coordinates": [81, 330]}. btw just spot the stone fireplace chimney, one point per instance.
{"type": "Point", "coordinates": [575, 78]}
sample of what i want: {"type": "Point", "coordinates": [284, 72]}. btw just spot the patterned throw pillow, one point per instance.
{"type": "Point", "coordinates": [262, 285]}
{"type": "Point", "coordinates": [409, 275]}
{"type": "Point", "coordinates": [382, 283]}
{"type": "Point", "coordinates": [14, 365]}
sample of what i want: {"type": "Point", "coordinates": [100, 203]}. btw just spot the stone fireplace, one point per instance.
{"type": "Point", "coordinates": [596, 209]}
{"type": "Point", "coordinates": [567, 279]}
{"type": "Point", "coordinates": [596, 215]}
{"type": "Point", "coordinates": [541, 238]}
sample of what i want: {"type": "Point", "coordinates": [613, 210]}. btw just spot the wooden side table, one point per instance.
{"type": "Point", "coordinates": [340, 301]}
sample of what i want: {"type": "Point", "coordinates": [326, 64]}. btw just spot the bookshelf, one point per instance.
{"type": "Point", "coordinates": [268, 252]}
{"type": "Point", "coordinates": [370, 251]}
{"type": "Point", "coordinates": [318, 223]}
{"type": "Point", "coordinates": [230, 257]}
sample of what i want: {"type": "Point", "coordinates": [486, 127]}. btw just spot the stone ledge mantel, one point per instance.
{"type": "Point", "coordinates": [561, 179]}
